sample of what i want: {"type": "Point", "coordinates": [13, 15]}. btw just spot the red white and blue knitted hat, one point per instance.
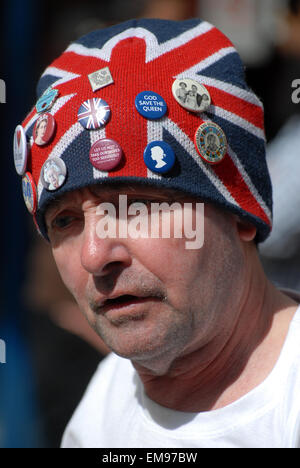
{"type": "Point", "coordinates": [150, 55]}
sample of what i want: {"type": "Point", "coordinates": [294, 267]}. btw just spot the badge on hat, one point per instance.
{"type": "Point", "coordinates": [44, 129]}
{"type": "Point", "coordinates": [159, 157]}
{"type": "Point", "coordinates": [150, 105]}
{"type": "Point", "coordinates": [211, 142]}
{"type": "Point", "coordinates": [93, 113]}
{"type": "Point", "coordinates": [29, 192]}
{"type": "Point", "coordinates": [46, 101]}
{"type": "Point", "coordinates": [191, 95]}
{"type": "Point", "coordinates": [100, 78]}
{"type": "Point", "coordinates": [20, 150]}
{"type": "Point", "coordinates": [53, 174]}
{"type": "Point", "coordinates": [105, 154]}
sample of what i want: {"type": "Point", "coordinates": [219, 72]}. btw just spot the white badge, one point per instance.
{"type": "Point", "coordinates": [100, 78]}
{"type": "Point", "coordinates": [191, 95]}
{"type": "Point", "coordinates": [20, 150]}
{"type": "Point", "coordinates": [53, 174]}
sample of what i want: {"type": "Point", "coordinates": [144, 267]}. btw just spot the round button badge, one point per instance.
{"type": "Point", "coordinates": [44, 129]}
{"type": "Point", "coordinates": [105, 154]}
{"type": "Point", "coordinates": [20, 150]}
{"type": "Point", "coordinates": [93, 113]}
{"type": "Point", "coordinates": [159, 157]}
{"type": "Point", "coordinates": [210, 142]}
{"type": "Point", "coordinates": [53, 174]}
{"type": "Point", "coordinates": [150, 105]}
{"type": "Point", "coordinates": [29, 192]}
{"type": "Point", "coordinates": [191, 95]}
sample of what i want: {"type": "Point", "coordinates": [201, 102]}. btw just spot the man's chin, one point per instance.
{"type": "Point", "coordinates": [136, 346]}
{"type": "Point", "coordinates": [148, 349]}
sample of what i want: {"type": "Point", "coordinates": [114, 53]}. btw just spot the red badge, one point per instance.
{"type": "Point", "coordinates": [105, 154]}
{"type": "Point", "coordinates": [44, 129]}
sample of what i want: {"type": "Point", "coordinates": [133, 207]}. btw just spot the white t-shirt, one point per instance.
{"type": "Point", "coordinates": [116, 413]}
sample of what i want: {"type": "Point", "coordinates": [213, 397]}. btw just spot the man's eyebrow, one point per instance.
{"type": "Point", "coordinates": [54, 205]}
{"type": "Point", "coordinates": [139, 190]}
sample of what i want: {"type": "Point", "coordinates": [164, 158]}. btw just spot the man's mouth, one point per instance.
{"type": "Point", "coordinates": [125, 307]}
{"type": "Point", "coordinates": [122, 301]}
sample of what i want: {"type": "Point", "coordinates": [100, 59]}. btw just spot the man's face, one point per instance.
{"type": "Point", "coordinates": [150, 299]}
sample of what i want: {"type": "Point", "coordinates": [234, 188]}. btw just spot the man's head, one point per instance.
{"type": "Point", "coordinates": [150, 56]}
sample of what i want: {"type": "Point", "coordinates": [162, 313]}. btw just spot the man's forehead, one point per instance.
{"type": "Point", "coordinates": [111, 191]}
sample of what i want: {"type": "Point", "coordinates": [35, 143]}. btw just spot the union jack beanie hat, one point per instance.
{"type": "Point", "coordinates": [155, 102]}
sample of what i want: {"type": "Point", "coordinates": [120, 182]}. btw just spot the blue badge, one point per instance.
{"type": "Point", "coordinates": [46, 100]}
{"type": "Point", "coordinates": [150, 105]}
{"type": "Point", "coordinates": [159, 157]}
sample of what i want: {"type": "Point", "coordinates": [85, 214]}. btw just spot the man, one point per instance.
{"type": "Point", "coordinates": [205, 349]}
{"type": "Point", "coordinates": [212, 143]}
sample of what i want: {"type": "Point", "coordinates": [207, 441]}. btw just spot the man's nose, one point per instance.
{"type": "Point", "coordinates": [102, 257]}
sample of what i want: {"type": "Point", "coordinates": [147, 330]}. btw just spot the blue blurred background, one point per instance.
{"type": "Point", "coordinates": [50, 352]}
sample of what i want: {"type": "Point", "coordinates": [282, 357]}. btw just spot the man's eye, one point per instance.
{"type": "Point", "coordinates": [63, 221]}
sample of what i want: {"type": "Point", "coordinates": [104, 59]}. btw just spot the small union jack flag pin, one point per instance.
{"type": "Point", "coordinates": [93, 113]}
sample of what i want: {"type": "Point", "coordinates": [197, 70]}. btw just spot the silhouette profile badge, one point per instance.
{"type": "Point", "coordinates": [159, 157]}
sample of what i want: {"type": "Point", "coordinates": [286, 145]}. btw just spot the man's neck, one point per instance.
{"type": "Point", "coordinates": [228, 367]}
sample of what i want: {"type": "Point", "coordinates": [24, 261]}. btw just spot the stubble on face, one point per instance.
{"type": "Point", "coordinates": [153, 330]}
{"type": "Point", "coordinates": [184, 295]}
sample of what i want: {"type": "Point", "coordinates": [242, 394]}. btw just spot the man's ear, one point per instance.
{"type": "Point", "coordinates": [246, 230]}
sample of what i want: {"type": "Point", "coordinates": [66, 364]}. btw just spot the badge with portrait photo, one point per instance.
{"type": "Point", "coordinates": [53, 174]}
{"type": "Point", "coordinates": [211, 142]}
{"type": "Point", "coordinates": [44, 129]}
{"type": "Point", "coordinates": [191, 95]}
